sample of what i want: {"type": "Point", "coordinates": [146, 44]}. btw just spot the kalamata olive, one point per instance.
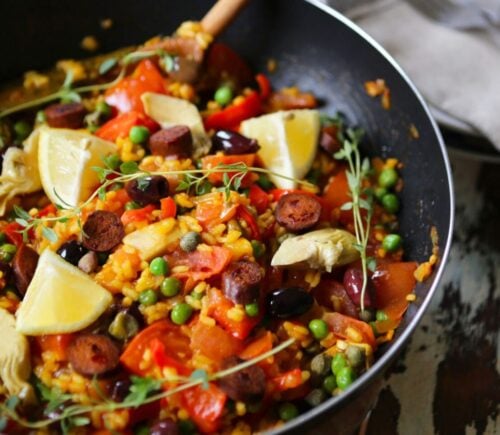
{"type": "Point", "coordinates": [147, 190]}
{"type": "Point", "coordinates": [166, 426]}
{"type": "Point", "coordinates": [120, 390]}
{"type": "Point", "coordinates": [289, 302]}
{"type": "Point", "coordinates": [72, 251]}
{"type": "Point", "coordinates": [353, 284]}
{"type": "Point", "coordinates": [234, 143]}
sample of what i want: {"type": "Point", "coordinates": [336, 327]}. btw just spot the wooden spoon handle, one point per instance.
{"type": "Point", "coordinates": [221, 15]}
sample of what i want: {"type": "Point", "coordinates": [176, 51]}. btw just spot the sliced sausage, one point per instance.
{"type": "Point", "coordinates": [147, 190]}
{"type": "Point", "coordinates": [172, 141]}
{"type": "Point", "coordinates": [246, 385]}
{"type": "Point", "coordinates": [65, 115]}
{"type": "Point", "coordinates": [92, 354]}
{"type": "Point", "coordinates": [298, 211]}
{"type": "Point", "coordinates": [103, 230]}
{"type": "Point", "coordinates": [167, 426]}
{"type": "Point", "coordinates": [240, 281]}
{"type": "Point", "coordinates": [24, 266]}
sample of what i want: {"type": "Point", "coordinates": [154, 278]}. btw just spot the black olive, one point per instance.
{"type": "Point", "coordinates": [289, 302]}
{"type": "Point", "coordinates": [147, 190]}
{"type": "Point", "coordinates": [166, 426]}
{"type": "Point", "coordinates": [120, 390]}
{"type": "Point", "coordinates": [234, 143]}
{"type": "Point", "coordinates": [72, 251]}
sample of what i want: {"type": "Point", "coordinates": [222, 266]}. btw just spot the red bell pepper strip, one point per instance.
{"type": "Point", "coordinates": [257, 347]}
{"type": "Point", "coordinates": [259, 198]}
{"type": "Point", "coordinates": [213, 161]}
{"type": "Point", "coordinates": [205, 407]}
{"type": "Point", "coordinates": [162, 359]}
{"type": "Point", "coordinates": [138, 215]}
{"type": "Point", "coordinates": [13, 233]}
{"type": "Point", "coordinates": [121, 125]}
{"type": "Point", "coordinates": [57, 343]}
{"type": "Point", "coordinates": [288, 380]}
{"type": "Point", "coordinates": [249, 218]}
{"type": "Point", "coordinates": [168, 208]}
{"type": "Point", "coordinates": [126, 94]}
{"type": "Point", "coordinates": [232, 116]}
{"type": "Point", "coordinates": [264, 85]}
{"type": "Point", "coordinates": [338, 324]}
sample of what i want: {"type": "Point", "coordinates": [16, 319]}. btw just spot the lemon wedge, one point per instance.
{"type": "Point", "coordinates": [60, 299]}
{"type": "Point", "coordinates": [65, 161]}
{"type": "Point", "coordinates": [288, 141]}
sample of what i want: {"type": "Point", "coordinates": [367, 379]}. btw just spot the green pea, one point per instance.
{"type": "Point", "coordinates": [132, 205]}
{"type": "Point", "coordinates": [338, 362]}
{"type": "Point", "coordinates": [392, 242]}
{"type": "Point", "coordinates": [181, 313]}
{"type": "Point", "coordinates": [112, 161]}
{"type": "Point", "coordinates": [355, 356]}
{"type": "Point", "coordinates": [390, 202]}
{"type": "Point", "coordinates": [381, 316]}
{"type": "Point", "coordinates": [388, 178]}
{"type": "Point", "coordinates": [258, 248]}
{"type": "Point", "coordinates": [264, 182]}
{"type": "Point", "coordinates": [252, 310]}
{"type": "Point", "coordinates": [318, 328]}
{"type": "Point", "coordinates": [138, 134]}
{"type": "Point", "coordinates": [158, 266]}
{"type": "Point", "coordinates": [103, 108]}
{"type": "Point", "coordinates": [22, 130]}
{"type": "Point", "coordinates": [204, 188]}
{"type": "Point", "coordinates": [223, 95]}
{"type": "Point", "coordinates": [345, 377]}
{"type": "Point", "coordinates": [190, 241]}
{"type": "Point", "coordinates": [329, 383]}
{"type": "Point", "coordinates": [170, 287]}
{"type": "Point", "coordinates": [128, 168]}
{"type": "Point", "coordinates": [288, 411]}
{"type": "Point", "coordinates": [379, 192]}
{"type": "Point", "coordinates": [148, 297]}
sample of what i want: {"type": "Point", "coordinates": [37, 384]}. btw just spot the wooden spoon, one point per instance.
{"type": "Point", "coordinates": [221, 15]}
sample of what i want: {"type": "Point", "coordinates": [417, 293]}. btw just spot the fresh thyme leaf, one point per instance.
{"type": "Point", "coordinates": [142, 183]}
{"type": "Point", "coordinates": [102, 173]}
{"type": "Point", "coordinates": [140, 389]}
{"type": "Point", "coordinates": [79, 421]}
{"type": "Point", "coordinates": [22, 222]}
{"type": "Point", "coordinates": [71, 97]}
{"type": "Point", "coordinates": [3, 422]}
{"type": "Point", "coordinates": [107, 65]}
{"type": "Point", "coordinates": [63, 219]}
{"type": "Point", "coordinates": [20, 212]}
{"type": "Point", "coordinates": [12, 402]}
{"type": "Point", "coordinates": [346, 206]}
{"type": "Point", "coordinates": [371, 263]}
{"type": "Point", "coordinates": [365, 166]}
{"type": "Point", "coordinates": [168, 62]}
{"type": "Point", "coordinates": [49, 234]}
{"type": "Point", "coordinates": [225, 179]}
{"type": "Point", "coordinates": [339, 155]}
{"type": "Point", "coordinates": [366, 204]}
{"type": "Point", "coordinates": [53, 396]}
{"type": "Point", "coordinates": [68, 80]}
{"type": "Point", "coordinates": [183, 185]}
{"type": "Point", "coordinates": [352, 181]}
{"type": "Point", "coordinates": [200, 375]}
{"type": "Point", "coordinates": [101, 193]}
{"type": "Point", "coordinates": [136, 56]}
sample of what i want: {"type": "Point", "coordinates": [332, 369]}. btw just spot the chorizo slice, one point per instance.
{"type": "Point", "coordinates": [65, 115]}
{"type": "Point", "coordinates": [298, 211]}
{"type": "Point", "coordinates": [172, 141]}
{"type": "Point", "coordinates": [24, 266]}
{"type": "Point", "coordinates": [246, 385]}
{"type": "Point", "coordinates": [93, 354]}
{"type": "Point", "coordinates": [240, 281]}
{"type": "Point", "coordinates": [103, 230]}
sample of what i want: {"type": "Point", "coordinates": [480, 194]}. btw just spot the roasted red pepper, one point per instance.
{"type": "Point", "coordinates": [205, 406]}
{"type": "Point", "coordinates": [121, 125]}
{"type": "Point", "coordinates": [288, 380]}
{"type": "Point", "coordinates": [249, 218]}
{"type": "Point", "coordinates": [168, 208]}
{"type": "Point", "coordinates": [13, 233]}
{"type": "Point", "coordinates": [138, 215]}
{"type": "Point", "coordinates": [259, 198]}
{"type": "Point", "coordinates": [264, 85]}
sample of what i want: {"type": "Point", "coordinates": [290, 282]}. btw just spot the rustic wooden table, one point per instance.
{"type": "Point", "coordinates": [448, 380]}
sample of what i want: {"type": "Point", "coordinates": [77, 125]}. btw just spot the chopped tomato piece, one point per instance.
{"type": "Point", "coordinates": [121, 125]}
{"type": "Point", "coordinates": [219, 305]}
{"type": "Point", "coordinates": [57, 343]}
{"type": "Point", "coordinates": [232, 116]}
{"type": "Point", "coordinates": [164, 331]}
{"type": "Point", "coordinates": [126, 94]}
{"type": "Point", "coordinates": [138, 215]}
{"type": "Point", "coordinates": [209, 162]}
{"type": "Point", "coordinates": [214, 342]}
{"type": "Point", "coordinates": [264, 85]}
{"type": "Point", "coordinates": [257, 347]}
{"type": "Point", "coordinates": [249, 218]}
{"type": "Point", "coordinates": [337, 191]}
{"type": "Point", "coordinates": [288, 380]}
{"type": "Point", "coordinates": [205, 407]}
{"type": "Point", "coordinates": [202, 264]}
{"type": "Point", "coordinates": [338, 324]}
{"type": "Point", "coordinates": [49, 209]}
{"type": "Point", "coordinates": [212, 210]}
{"type": "Point", "coordinates": [168, 208]}
{"type": "Point", "coordinates": [259, 198]}
{"type": "Point", "coordinates": [393, 282]}
{"type": "Point", "coordinates": [13, 233]}
{"type": "Point", "coordinates": [163, 359]}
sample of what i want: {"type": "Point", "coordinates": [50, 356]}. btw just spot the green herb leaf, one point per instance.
{"type": "Point", "coordinates": [71, 97]}
{"type": "Point", "coordinates": [371, 263]}
{"type": "Point", "coordinates": [68, 80]}
{"type": "Point", "coordinates": [101, 193]}
{"type": "Point", "coordinates": [49, 234]}
{"type": "Point", "coordinates": [200, 375]}
{"type": "Point", "coordinates": [168, 62]}
{"type": "Point", "coordinates": [107, 65]}
{"type": "Point", "coordinates": [12, 402]}
{"type": "Point", "coordinates": [22, 222]}
{"type": "Point", "coordinates": [140, 389]}
{"type": "Point", "coordinates": [79, 421]}
{"type": "Point", "coordinates": [102, 173]}
{"type": "Point", "coordinates": [20, 212]}
{"type": "Point", "coordinates": [3, 422]}
{"type": "Point", "coordinates": [53, 396]}
{"type": "Point", "coordinates": [346, 206]}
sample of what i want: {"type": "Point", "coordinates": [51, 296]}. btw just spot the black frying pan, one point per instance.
{"type": "Point", "coordinates": [317, 49]}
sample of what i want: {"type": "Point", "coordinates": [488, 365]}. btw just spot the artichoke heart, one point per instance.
{"type": "Point", "coordinates": [321, 249]}
{"type": "Point", "coordinates": [15, 365]}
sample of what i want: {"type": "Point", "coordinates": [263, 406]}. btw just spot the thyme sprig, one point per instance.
{"type": "Point", "coordinates": [191, 180]}
{"type": "Point", "coordinates": [361, 198]}
{"type": "Point", "coordinates": [143, 391]}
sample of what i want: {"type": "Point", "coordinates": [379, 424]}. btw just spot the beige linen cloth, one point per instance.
{"type": "Point", "coordinates": [456, 68]}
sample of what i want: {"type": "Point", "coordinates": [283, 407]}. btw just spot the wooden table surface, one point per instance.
{"type": "Point", "coordinates": [448, 380]}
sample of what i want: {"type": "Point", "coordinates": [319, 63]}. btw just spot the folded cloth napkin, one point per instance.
{"type": "Point", "coordinates": [455, 65]}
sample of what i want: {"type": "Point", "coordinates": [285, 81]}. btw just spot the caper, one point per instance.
{"type": "Point", "coordinates": [320, 364]}
{"type": "Point", "coordinates": [355, 356]}
{"type": "Point", "coordinates": [315, 397]}
{"type": "Point", "coordinates": [190, 241]}
{"type": "Point", "coordinates": [123, 326]}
